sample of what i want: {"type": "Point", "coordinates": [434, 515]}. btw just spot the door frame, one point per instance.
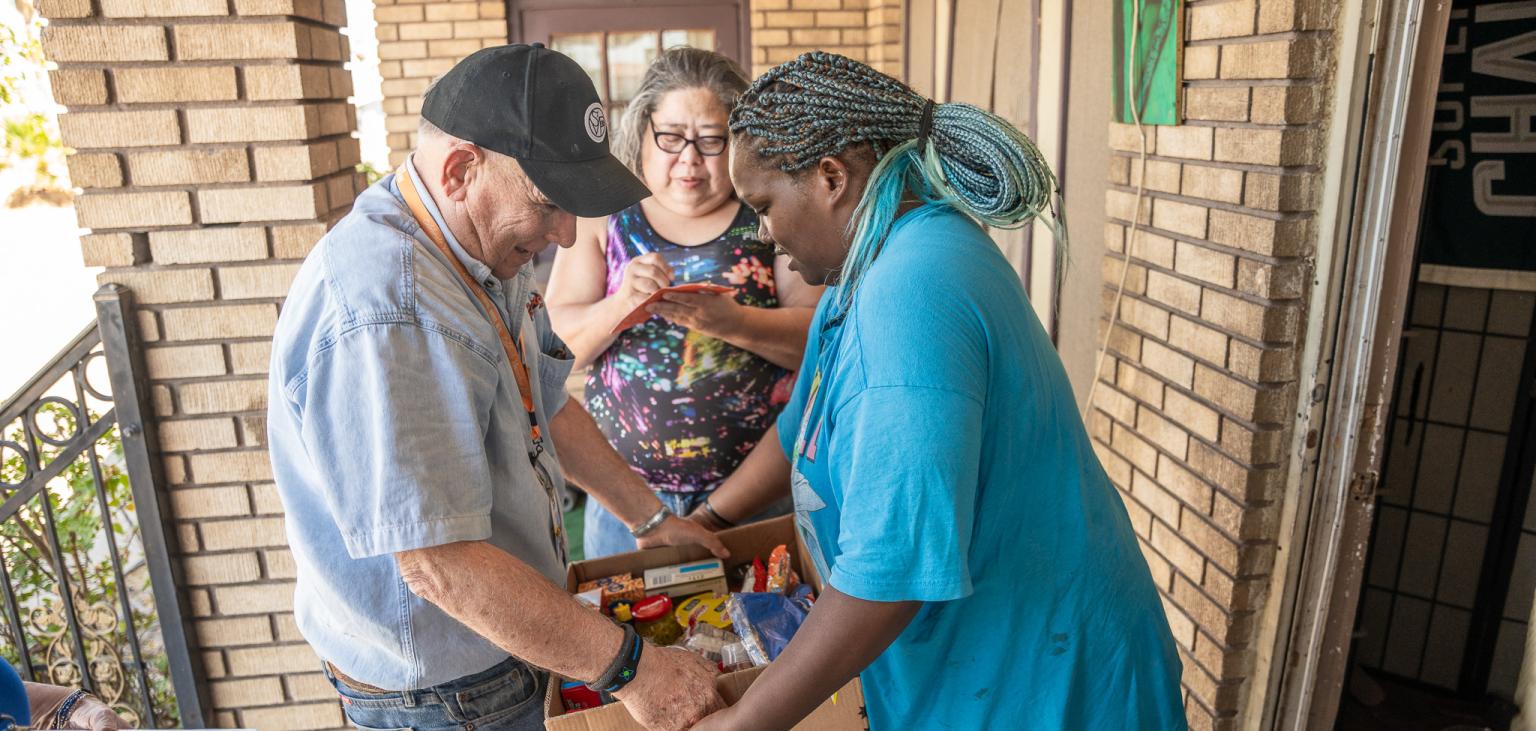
{"type": "Point", "coordinates": [1378, 147]}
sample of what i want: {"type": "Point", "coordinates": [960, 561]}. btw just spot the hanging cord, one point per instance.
{"type": "Point", "coordinates": [1141, 189]}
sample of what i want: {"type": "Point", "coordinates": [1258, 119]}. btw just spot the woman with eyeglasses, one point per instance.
{"type": "Point", "coordinates": [685, 395]}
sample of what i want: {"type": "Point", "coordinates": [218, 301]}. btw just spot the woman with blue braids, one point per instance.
{"type": "Point", "coordinates": [980, 569]}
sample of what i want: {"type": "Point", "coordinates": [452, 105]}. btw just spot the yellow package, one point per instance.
{"type": "Point", "coordinates": [705, 609]}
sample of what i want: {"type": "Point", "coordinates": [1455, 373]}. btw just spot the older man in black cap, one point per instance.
{"type": "Point", "coordinates": [418, 417]}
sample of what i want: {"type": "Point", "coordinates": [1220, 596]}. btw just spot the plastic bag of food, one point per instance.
{"type": "Point", "coordinates": [707, 641]}
{"type": "Point", "coordinates": [767, 621]}
{"type": "Point", "coordinates": [734, 657]}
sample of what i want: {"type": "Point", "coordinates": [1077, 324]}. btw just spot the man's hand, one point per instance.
{"type": "Point", "coordinates": [672, 689]}
{"type": "Point", "coordinates": [677, 531]}
{"type": "Point", "coordinates": [94, 715]}
{"type": "Point", "coordinates": [715, 315]}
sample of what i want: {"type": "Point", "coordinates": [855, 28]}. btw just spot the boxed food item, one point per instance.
{"type": "Point", "coordinates": [684, 580]}
{"type": "Point", "coordinates": [844, 711]}
{"type": "Point", "coordinates": [619, 587]}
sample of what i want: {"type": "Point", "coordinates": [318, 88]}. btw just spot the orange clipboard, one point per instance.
{"type": "Point", "coordinates": [639, 315]}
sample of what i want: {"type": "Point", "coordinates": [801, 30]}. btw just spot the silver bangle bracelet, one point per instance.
{"type": "Point", "coordinates": [650, 526]}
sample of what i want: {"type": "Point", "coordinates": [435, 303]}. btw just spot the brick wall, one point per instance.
{"type": "Point", "coordinates": [1195, 402]}
{"type": "Point", "coordinates": [214, 149]}
{"type": "Point", "coordinates": [418, 41]}
{"type": "Point", "coordinates": [863, 30]}
{"type": "Point", "coordinates": [886, 21]}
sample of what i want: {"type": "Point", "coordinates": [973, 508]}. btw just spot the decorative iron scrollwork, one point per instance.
{"type": "Point", "coordinates": [98, 623]}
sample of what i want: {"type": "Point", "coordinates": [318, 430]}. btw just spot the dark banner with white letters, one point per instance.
{"type": "Point", "coordinates": [1480, 202]}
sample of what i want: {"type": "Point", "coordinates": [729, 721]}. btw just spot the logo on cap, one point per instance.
{"type": "Point", "coordinates": [596, 122]}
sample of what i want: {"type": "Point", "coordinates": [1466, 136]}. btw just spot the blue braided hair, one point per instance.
{"type": "Point", "coordinates": [821, 104]}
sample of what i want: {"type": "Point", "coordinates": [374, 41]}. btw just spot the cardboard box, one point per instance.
{"type": "Point", "coordinates": [844, 711]}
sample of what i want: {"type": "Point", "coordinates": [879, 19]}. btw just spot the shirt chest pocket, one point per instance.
{"type": "Point", "coordinates": [554, 369]}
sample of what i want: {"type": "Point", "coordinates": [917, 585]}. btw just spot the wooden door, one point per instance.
{"type": "Point", "coordinates": [616, 41]}
{"type": "Point", "coordinates": [1007, 56]}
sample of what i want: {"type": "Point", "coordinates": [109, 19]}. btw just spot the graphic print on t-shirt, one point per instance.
{"type": "Point", "coordinates": [807, 500]}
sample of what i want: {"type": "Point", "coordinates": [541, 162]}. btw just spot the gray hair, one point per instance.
{"type": "Point", "coordinates": [425, 129]}
{"type": "Point", "coordinates": [677, 68]}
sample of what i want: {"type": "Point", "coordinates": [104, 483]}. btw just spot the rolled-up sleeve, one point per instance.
{"type": "Point", "coordinates": [395, 418]}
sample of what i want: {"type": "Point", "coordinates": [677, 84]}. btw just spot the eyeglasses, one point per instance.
{"type": "Point", "coordinates": [672, 142]}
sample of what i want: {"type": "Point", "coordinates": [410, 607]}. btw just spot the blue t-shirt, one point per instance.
{"type": "Point", "coordinates": [944, 461]}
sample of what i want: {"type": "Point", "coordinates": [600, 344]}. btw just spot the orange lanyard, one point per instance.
{"type": "Point", "coordinates": [514, 350]}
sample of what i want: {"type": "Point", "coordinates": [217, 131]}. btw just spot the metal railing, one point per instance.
{"type": "Point", "coordinates": [87, 586]}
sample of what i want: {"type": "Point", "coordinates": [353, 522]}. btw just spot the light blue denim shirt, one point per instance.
{"type": "Point", "coordinates": [395, 423]}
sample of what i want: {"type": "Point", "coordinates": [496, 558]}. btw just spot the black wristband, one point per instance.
{"type": "Point", "coordinates": [624, 666]}
{"type": "Point", "coordinates": [718, 518]}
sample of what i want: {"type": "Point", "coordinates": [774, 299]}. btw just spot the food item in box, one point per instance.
{"type": "Point", "coordinates": [591, 597]}
{"type": "Point", "coordinates": [625, 587]}
{"type": "Point", "coordinates": [733, 657]}
{"type": "Point", "coordinates": [655, 622]}
{"type": "Point", "coordinates": [686, 579]}
{"type": "Point", "coordinates": [707, 641]}
{"type": "Point", "coordinates": [778, 570]}
{"type": "Point", "coordinates": [577, 696]}
{"type": "Point", "coordinates": [622, 611]}
{"type": "Point", "coordinates": [767, 621]}
{"type": "Point", "coordinates": [704, 609]}
{"type": "Point", "coordinates": [756, 578]}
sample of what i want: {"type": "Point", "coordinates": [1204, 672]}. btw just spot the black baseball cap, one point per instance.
{"type": "Point", "coordinates": [538, 106]}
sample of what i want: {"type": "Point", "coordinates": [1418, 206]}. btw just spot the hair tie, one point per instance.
{"type": "Point", "coordinates": [925, 126]}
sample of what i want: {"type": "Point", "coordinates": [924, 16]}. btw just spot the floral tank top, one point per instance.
{"type": "Point", "coordinates": [681, 407]}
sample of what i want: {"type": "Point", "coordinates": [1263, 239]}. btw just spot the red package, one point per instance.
{"type": "Point", "coordinates": [577, 696]}
{"type": "Point", "coordinates": [759, 575]}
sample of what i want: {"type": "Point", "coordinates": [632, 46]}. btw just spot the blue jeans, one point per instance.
{"type": "Point", "coordinates": [507, 697]}
{"type": "Point", "coordinates": [604, 534]}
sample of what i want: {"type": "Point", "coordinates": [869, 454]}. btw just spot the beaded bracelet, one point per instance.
{"type": "Point", "coordinates": [68, 706]}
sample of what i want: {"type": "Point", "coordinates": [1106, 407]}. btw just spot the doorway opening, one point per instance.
{"type": "Point", "coordinates": [1446, 577]}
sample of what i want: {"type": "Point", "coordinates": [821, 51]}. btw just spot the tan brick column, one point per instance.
{"type": "Point", "coordinates": [784, 29]}
{"type": "Point", "coordinates": [214, 149]}
{"type": "Point", "coordinates": [1197, 397]}
{"type": "Point", "coordinates": [886, 23]}
{"type": "Point", "coordinates": [420, 40]}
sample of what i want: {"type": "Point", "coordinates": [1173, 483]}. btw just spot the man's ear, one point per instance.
{"type": "Point", "coordinates": [459, 167]}
{"type": "Point", "coordinates": [832, 179]}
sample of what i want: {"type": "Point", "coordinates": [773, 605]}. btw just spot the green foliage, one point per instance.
{"type": "Point", "coordinates": [371, 173]}
{"type": "Point", "coordinates": [19, 57]}
{"type": "Point", "coordinates": [30, 138]}
{"type": "Point", "coordinates": [28, 555]}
